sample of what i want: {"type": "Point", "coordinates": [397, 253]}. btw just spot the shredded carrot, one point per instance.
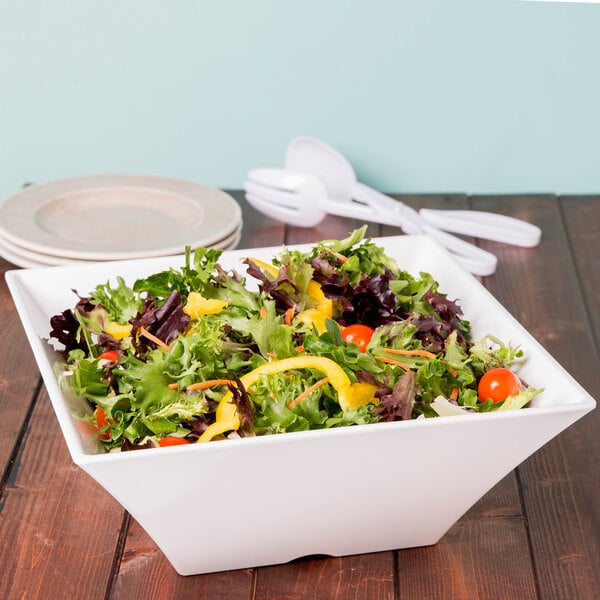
{"type": "Point", "coordinates": [308, 391]}
{"type": "Point", "coordinates": [153, 338]}
{"type": "Point", "coordinates": [391, 361]}
{"type": "Point", "coordinates": [202, 385]}
{"type": "Point", "coordinates": [263, 312]}
{"type": "Point", "coordinates": [271, 355]}
{"type": "Point", "coordinates": [337, 254]}
{"type": "Point", "coordinates": [454, 393]}
{"type": "Point", "coordinates": [289, 315]}
{"type": "Point", "coordinates": [173, 386]}
{"type": "Point", "coordinates": [299, 349]}
{"type": "Point", "coordinates": [424, 353]}
{"type": "Point", "coordinates": [452, 372]}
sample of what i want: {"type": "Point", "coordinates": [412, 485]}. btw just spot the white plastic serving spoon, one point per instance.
{"type": "Point", "coordinates": [306, 154]}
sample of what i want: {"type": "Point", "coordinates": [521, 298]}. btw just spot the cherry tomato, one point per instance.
{"type": "Point", "coordinates": [358, 334]}
{"type": "Point", "coordinates": [111, 355]}
{"type": "Point", "coordinates": [498, 384]}
{"type": "Point", "coordinates": [102, 421]}
{"type": "Point", "coordinates": [172, 440]}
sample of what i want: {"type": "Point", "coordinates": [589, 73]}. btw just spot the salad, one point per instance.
{"type": "Point", "coordinates": [334, 336]}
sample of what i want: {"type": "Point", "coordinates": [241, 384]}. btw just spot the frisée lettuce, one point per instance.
{"type": "Point", "coordinates": [192, 355]}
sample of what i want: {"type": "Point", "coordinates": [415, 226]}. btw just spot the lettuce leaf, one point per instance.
{"type": "Point", "coordinates": [121, 302]}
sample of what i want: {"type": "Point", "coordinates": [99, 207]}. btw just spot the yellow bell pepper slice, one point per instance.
{"type": "Point", "coordinates": [227, 418]}
{"type": "Point", "coordinates": [117, 331]}
{"type": "Point", "coordinates": [313, 289]}
{"type": "Point", "coordinates": [197, 305]}
{"type": "Point", "coordinates": [324, 304]}
{"type": "Point", "coordinates": [272, 270]}
{"type": "Point", "coordinates": [313, 316]}
{"type": "Point", "coordinates": [361, 393]}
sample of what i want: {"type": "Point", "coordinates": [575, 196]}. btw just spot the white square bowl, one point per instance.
{"type": "Point", "coordinates": [267, 500]}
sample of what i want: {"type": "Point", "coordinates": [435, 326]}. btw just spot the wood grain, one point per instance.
{"type": "Point", "coordinates": [145, 573]}
{"type": "Point", "coordinates": [19, 377]}
{"type": "Point", "coordinates": [351, 577]}
{"type": "Point", "coordinates": [478, 558]}
{"type": "Point", "coordinates": [59, 529]}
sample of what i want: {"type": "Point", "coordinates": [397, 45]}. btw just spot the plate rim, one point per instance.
{"type": "Point", "coordinates": [40, 194]}
{"type": "Point", "coordinates": [29, 259]}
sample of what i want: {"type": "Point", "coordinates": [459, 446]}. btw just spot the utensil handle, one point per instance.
{"type": "Point", "coordinates": [393, 212]}
{"type": "Point", "coordinates": [476, 260]}
{"type": "Point", "coordinates": [388, 210]}
{"type": "Point", "coordinates": [486, 225]}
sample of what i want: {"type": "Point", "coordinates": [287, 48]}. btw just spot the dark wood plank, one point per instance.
{"type": "Point", "coordinates": [59, 529]}
{"type": "Point", "coordinates": [351, 578]}
{"type": "Point", "coordinates": [483, 558]}
{"type": "Point", "coordinates": [19, 376]}
{"type": "Point", "coordinates": [528, 280]}
{"type": "Point", "coordinates": [258, 230]}
{"type": "Point", "coordinates": [559, 482]}
{"type": "Point", "coordinates": [582, 218]}
{"type": "Point", "coordinates": [51, 546]}
{"type": "Point", "coordinates": [582, 444]}
{"type": "Point", "coordinates": [144, 573]}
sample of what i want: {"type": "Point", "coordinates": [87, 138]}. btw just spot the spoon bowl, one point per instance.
{"type": "Point", "coordinates": [306, 154]}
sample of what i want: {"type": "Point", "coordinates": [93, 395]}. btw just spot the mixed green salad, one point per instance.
{"type": "Point", "coordinates": [334, 336]}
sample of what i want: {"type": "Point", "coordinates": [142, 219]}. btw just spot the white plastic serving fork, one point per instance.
{"type": "Point", "coordinates": [317, 180]}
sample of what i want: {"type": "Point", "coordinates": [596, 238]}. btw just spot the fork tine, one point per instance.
{"type": "Point", "coordinates": [291, 216]}
{"type": "Point", "coordinates": [277, 196]}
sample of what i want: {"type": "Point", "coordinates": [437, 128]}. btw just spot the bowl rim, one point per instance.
{"type": "Point", "coordinates": [17, 282]}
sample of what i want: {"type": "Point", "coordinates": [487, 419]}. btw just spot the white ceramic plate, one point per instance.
{"type": "Point", "coordinates": [116, 217]}
{"type": "Point", "coordinates": [338, 491]}
{"type": "Point", "coordinates": [29, 259]}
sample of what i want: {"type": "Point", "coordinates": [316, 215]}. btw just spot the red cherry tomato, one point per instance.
{"type": "Point", "coordinates": [172, 440]}
{"type": "Point", "coordinates": [498, 384]}
{"type": "Point", "coordinates": [102, 421]}
{"type": "Point", "coordinates": [358, 334]}
{"type": "Point", "coordinates": [111, 355]}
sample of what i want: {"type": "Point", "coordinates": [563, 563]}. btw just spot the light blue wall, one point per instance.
{"type": "Point", "coordinates": [480, 96]}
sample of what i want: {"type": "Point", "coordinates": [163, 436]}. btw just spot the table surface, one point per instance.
{"type": "Point", "coordinates": [535, 535]}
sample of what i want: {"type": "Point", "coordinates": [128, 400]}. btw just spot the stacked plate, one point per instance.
{"type": "Point", "coordinates": [114, 217]}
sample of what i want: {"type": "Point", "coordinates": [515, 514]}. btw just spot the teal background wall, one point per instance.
{"type": "Point", "coordinates": [479, 96]}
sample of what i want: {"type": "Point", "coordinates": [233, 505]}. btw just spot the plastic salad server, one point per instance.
{"type": "Point", "coordinates": [302, 200]}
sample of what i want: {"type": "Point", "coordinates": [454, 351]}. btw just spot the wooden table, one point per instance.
{"type": "Point", "coordinates": [536, 535]}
